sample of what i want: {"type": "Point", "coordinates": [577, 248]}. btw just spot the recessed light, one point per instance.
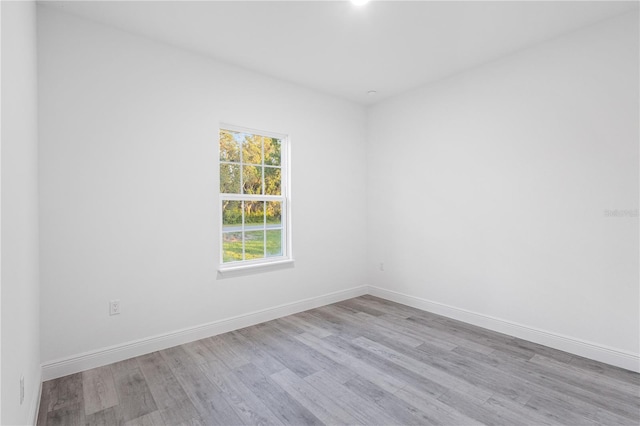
{"type": "Point", "coordinates": [371, 92]}
{"type": "Point", "coordinates": [359, 2]}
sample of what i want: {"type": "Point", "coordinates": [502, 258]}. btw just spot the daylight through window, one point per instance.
{"type": "Point", "coordinates": [253, 197]}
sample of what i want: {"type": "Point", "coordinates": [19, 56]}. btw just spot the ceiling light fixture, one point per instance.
{"type": "Point", "coordinates": [359, 2]}
{"type": "Point", "coordinates": [371, 92]}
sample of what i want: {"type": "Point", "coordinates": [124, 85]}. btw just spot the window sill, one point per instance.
{"type": "Point", "coordinates": [240, 270]}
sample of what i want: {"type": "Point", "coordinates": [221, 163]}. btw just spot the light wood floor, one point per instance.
{"type": "Point", "coordinates": [362, 361]}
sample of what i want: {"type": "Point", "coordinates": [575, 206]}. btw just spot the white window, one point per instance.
{"type": "Point", "coordinates": [253, 198]}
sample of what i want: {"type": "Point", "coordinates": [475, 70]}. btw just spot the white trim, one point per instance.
{"type": "Point", "coordinates": [602, 353]}
{"type": "Point", "coordinates": [96, 358]}
{"type": "Point", "coordinates": [242, 129]}
{"type": "Point", "coordinates": [105, 356]}
{"type": "Point", "coordinates": [244, 269]}
{"type": "Point", "coordinates": [34, 406]}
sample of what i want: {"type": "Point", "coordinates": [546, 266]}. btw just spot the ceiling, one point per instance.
{"type": "Point", "coordinates": [347, 50]}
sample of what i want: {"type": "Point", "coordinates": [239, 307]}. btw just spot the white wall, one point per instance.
{"type": "Point", "coordinates": [128, 180]}
{"type": "Point", "coordinates": [487, 190]}
{"type": "Point", "coordinates": [20, 287]}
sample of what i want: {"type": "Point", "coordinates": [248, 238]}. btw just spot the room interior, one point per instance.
{"type": "Point", "coordinates": [474, 160]}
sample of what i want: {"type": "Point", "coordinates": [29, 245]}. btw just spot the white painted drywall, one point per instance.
{"type": "Point", "coordinates": [488, 190]}
{"type": "Point", "coordinates": [128, 187]}
{"type": "Point", "coordinates": [20, 286]}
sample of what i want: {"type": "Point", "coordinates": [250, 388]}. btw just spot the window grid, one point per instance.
{"type": "Point", "coordinates": [266, 255]}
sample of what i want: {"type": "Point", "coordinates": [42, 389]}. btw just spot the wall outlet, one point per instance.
{"type": "Point", "coordinates": [21, 389]}
{"type": "Point", "coordinates": [381, 266]}
{"type": "Point", "coordinates": [114, 307]}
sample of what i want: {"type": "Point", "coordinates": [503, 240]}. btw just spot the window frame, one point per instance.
{"type": "Point", "coordinates": [286, 258]}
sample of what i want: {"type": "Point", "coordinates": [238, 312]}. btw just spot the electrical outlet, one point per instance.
{"type": "Point", "coordinates": [381, 266]}
{"type": "Point", "coordinates": [21, 389]}
{"type": "Point", "coordinates": [114, 307]}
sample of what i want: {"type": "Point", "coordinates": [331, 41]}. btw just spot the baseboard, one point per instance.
{"type": "Point", "coordinates": [104, 356]}
{"type": "Point", "coordinates": [612, 356]}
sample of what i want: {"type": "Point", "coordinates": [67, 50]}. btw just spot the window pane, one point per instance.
{"type": "Point", "coordinates": [231, 215]}
{"type": "Point", "coordinates": [252, 178]}
{"type": "Point", "coordinates": [252, 149]}
{"type": "Point", "coordinates": [272, 179]}
{"type": "Point", "coordinates": [229, 178]}
{"type": "Point", "coordinates": [253, 245]}
{"type": "Point", "coordinates": [274, 213]}
{"type": "Point", "coordinates": [254, 215]}
{"type": "Point", "coordinates": [272, 148]}
{"type": "Point", "coordinates": [229, 146]}
{"type": "Point", "coordinates": [231, 246]}
{"type": "Point", "coordinates": [274, 242]}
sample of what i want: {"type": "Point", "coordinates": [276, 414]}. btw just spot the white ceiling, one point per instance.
{"type": "Point", "coordinates": [346, 50]}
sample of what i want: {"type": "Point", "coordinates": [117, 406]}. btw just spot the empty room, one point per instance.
{"type": "Point", "coordinates": [320, 212]}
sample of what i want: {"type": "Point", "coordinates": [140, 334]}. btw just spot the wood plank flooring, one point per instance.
{"type": "Point", "coordinates": [362, 361]}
